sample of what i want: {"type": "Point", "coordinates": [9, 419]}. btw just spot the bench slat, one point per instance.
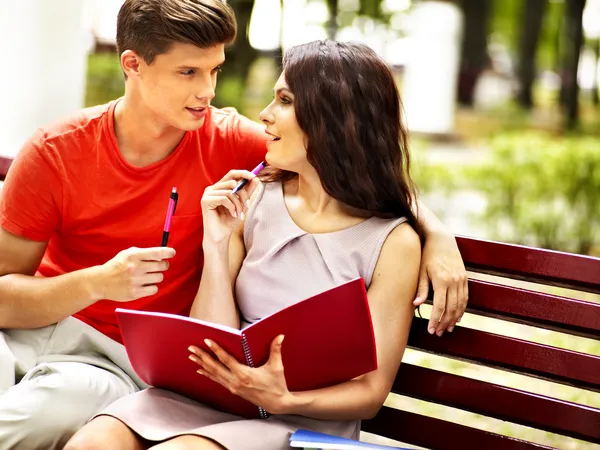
{"type": "Point", "coordinates": [504, 403]}
{"type": "Point", "coordinates": [548, 311]}
{"type": "Point", "coordinates": [532, 264]}
{"type": "Point", "coordinates": [542, 361]}
{"type": "Point", "coordinates": [439, 434]}
{"type": "Point", "coordinates": [4, 165]}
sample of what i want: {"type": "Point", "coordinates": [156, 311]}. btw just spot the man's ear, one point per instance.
{"type": "Point", "coordinates": [130, 63]}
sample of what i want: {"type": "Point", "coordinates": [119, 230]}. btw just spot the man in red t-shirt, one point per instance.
{"type": "Point", "coordinates": [82, 212]}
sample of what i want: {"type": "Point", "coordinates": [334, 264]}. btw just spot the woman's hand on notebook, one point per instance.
{"type": "Point", "coordinates": [264, 386]}
{"type": "Point", "coordinates": [222, 211]}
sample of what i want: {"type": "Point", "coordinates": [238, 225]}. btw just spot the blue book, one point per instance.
{"type": "Point", "coordinates": [320, 441]}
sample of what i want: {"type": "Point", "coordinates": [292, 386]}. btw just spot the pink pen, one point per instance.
{"type": "Point", "coordinates": [170, 211]}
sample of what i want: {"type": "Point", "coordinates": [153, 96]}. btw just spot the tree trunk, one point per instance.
{"type": "Point", "coordinates": [370, 8]}
{"type": "Point", "coordinates": [531, 27]}
{"type": "Point", "coordinates": [573, 40]}
{"type": "Point", "coordinates": [474, 57]}
{"type": "Point", "coordinates": [595, 95]}
{"type": "Point", "coordinates": [241, 55]}
{"type": "Point", "coordinates": [332, 25]}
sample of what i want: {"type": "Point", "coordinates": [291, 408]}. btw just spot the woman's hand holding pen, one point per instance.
{"type": "Point", "coordinates": [223, 210]}
{"type": "Point", "coordinates": [133, 273]}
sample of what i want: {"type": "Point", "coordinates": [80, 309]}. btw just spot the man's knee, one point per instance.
{"type": "Point", "coordinates": [47, 408]}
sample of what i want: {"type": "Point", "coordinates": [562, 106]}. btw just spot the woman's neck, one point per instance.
{"type": "Point", "coordinates": [310, 192]}
{"type": "Point", "coordinates": [312, 197]}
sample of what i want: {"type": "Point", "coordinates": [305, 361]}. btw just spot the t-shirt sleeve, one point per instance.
{"type": "Point", "coordinates": [250, 141]}
{"type": "Point", "coordinates": [31, 198]}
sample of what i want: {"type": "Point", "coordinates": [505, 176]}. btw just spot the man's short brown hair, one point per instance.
{"type": "Point", "coordinates": [150, 27]}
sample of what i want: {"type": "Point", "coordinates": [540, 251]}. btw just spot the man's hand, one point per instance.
{"type": "Point", "coordinates": [442, 264]}
{"type": "Point", "coordinates": [134, 273]}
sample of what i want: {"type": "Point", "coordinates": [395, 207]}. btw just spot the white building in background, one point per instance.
{"type": "Point", "coordinates": [44, 46]}
{"type": "Point", "coordinates": [45, 43]}
{"type": "Point", "coordinates": [431, 72]}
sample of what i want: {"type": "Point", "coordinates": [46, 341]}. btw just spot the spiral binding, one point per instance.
{"type": "Point", "coordinates": [263, 414]}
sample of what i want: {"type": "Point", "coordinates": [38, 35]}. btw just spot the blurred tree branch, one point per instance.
{"type": "Point", "coordinates": [531, 27]}
{"type": "Point", "coordinates": [595, 95]}
{"type": "Point", "coordinates": [332, 25]}
{"type": "Point", "coordinates": [370, 8]}
{"type": "Point", "coordinates": [241, 54]}
{"type": "Point", "coordinates": [240, 57]}
{"type": "Point", "coordinates": [572, 42]}
{"type": "Point", "coordinates": [474, 56]}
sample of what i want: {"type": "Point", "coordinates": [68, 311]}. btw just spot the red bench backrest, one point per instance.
{"type": "Point", "coordinates": [4, 165]}
{"type": "Point", "coordinates": [538, 309]}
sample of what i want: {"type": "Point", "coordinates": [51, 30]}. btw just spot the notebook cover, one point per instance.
{"type": "Point", "coordinates": [329, 338]}
{"type": "Point", "coordinates": [157, 346]}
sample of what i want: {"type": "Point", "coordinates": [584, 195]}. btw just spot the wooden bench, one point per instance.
{"type": "Point", "coordinates": [531, 307]}
{"type": "Point", "coordinates": [528, 306]}
{"type": "Point", "coordinates": [4, 165]}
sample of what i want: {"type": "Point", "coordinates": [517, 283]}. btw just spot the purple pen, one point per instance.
{"type": "Point", "coordinates": [244, 182]}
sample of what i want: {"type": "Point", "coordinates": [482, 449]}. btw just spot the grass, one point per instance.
{"type": "Point", "coordinates": [475, 126]}
{"type": "Point", "coordinates": [104, 79]}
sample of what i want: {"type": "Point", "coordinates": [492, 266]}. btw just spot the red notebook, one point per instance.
{"type": "Point", "coordinates": [329, 339]}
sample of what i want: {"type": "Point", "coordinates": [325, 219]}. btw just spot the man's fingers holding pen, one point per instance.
{"type": "Point", "coordinates": [154, 266]}
{"type": "Point", "coordinates": [132, 273]}
{"type": "Point", "coordinates": [149, 279]}
{"type": "Point", "coordinates": [149, 254]}
{"type": "Point", "coordinates": [144, 291]}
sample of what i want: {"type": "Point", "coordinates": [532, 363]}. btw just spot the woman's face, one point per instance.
{"type": "Point", "coordinates": [286, 148]}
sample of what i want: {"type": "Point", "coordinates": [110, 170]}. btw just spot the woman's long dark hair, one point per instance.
{"type": "Point", "coordinates": [347, 103]}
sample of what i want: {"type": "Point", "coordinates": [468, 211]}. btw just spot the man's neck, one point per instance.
{"type": "Point", "coordinates": [143, 139]}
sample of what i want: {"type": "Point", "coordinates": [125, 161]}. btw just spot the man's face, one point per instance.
{"type": "Point", "coordinates": [179, 85]}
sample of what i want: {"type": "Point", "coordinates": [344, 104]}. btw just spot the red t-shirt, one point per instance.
{"type": "Point", "coordinates": [70, 185]}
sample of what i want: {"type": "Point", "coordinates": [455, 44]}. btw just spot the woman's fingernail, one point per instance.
{"type": "Point", "coordinates": [247, 203]}
{"type": "Point", "coordinates": [192, 349]}
{"type": "Point", "coordinates": [451, 329]}
{"type": "Point", "coordinates": [242, 215]}
{"type": "Point", "coordinates": [200, 372]}
{"type": "Point", "coordinates": [208, 343]}
{"type": "Point", "coordinates": [193, 358]}
{"type": "Point", "coordinates": [431, 330]}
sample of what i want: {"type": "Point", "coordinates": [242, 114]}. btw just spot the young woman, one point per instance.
{"type": "Point", "coordinates": [335, 204]}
